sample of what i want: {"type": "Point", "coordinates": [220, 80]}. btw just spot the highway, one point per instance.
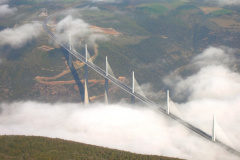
{"type": "Point", "coordinates": [128, 89]}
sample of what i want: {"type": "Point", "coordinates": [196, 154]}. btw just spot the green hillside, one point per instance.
{"type": "Point", "coordinates": [30, 147]}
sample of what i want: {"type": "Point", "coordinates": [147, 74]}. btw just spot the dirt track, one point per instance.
{"type": "Point", "coordinates": [105, 30]}
{"type": "Point", "coordinates": [77, 64]}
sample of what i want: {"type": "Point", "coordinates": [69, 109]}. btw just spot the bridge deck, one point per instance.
{"type": "Point", "coordinates": [126, 88]}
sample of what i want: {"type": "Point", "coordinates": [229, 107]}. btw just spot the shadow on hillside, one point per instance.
{"type": "Point", "coordinates": [74, 74]}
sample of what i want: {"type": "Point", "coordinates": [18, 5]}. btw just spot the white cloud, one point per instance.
{"type": "Point", "coordinates": [78, 29]}
{"type": "Point", "coordinates": [214, 90]}
{"type": "Point", "coordinates": [147, 90]}
{"type": "Point", "coordinates": [97, 37]}
{"type": "Point", "coordinates": [19, 36]}
{"type": "Point", "coordinates": [119, 126]}
{"type": "Point", "coordinates": [6, 10]}
{"type": "Point", "coordinates": [214, 56]}
{"type": "Point", "coordinates": [224, 2]}
{"type": "Point", "coordinates": [3, 1]}
{"type": "Point", "coordinates": [213, 76]}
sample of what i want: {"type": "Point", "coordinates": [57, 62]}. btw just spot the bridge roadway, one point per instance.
{"type": "Point", "coordinates": [126, 88]}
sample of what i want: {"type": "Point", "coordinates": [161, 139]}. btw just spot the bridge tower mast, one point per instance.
{"type": "Point", "coordinates": [213, 130]}
{"type": "Point", "coordinates": [106, 82]}
{"type": "Point", "coordinates": [86, 99]}
{"type": "Point", "coordinates": [168, 105]}
{"type": "Point", "coordinates": [70, 55]}
{"type": "Point", "coordinates": [133, 89]}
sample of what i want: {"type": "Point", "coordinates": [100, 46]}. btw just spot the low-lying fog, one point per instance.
{"type": "Point", "coordinates": [213, 89]}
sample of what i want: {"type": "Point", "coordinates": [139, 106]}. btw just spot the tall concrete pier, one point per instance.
{"type": "Point", "coordinates": [168, 104]}
{"type": "Point", "coordinates": [86, 98]}
{"type": "Point", "coordinates": [213, 129]}
{"type": "Point", "coordinates": [70, 55]}
{"type": "Point", "coordinates": [106, 82]}
{"type": "Point", "coordinates": [133, 88]}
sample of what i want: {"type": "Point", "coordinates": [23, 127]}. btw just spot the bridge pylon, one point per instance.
{"type": "Point", "coordinates": [214, 129]}
{"type": "Point", "coordinates": [133, 88]}
{"type": "Point", "coordinates": [86, 98]}
{"type": "Point", "coordinates": [168, 103]}
{"type": "Point", "coordinates": [106, 82]}
{"type": "Point", "coordinates": [70, 55]}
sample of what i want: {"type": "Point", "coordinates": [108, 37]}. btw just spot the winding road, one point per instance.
{"type": "Point", "coordinates": [128, 89]}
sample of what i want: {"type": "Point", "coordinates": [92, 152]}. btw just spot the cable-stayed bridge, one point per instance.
{"type": "Point", "coordinates": [108, 77]}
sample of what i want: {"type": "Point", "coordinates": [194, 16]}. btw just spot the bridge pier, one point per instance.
{"type": "Point", "coordinates": [106, 83]}
{"type": "Point", "coordinates": [168, 105]}
{"type": "Point", "coordinates": [70, 64]}
{"type": "Point", "coordinates": [86, 98]}
{"type": "Point", "coordinates": [213, 130]}
{"type": "Point", "coordinates": [133, 89]}
{"type": "Point", "coordinates": [70, 55]}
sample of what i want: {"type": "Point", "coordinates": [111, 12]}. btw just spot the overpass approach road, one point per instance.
{"type": "Point", "coordinates": [128, 89]}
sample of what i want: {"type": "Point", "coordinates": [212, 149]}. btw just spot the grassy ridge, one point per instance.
{"type": "Point", "coordinates": [30, 147]}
